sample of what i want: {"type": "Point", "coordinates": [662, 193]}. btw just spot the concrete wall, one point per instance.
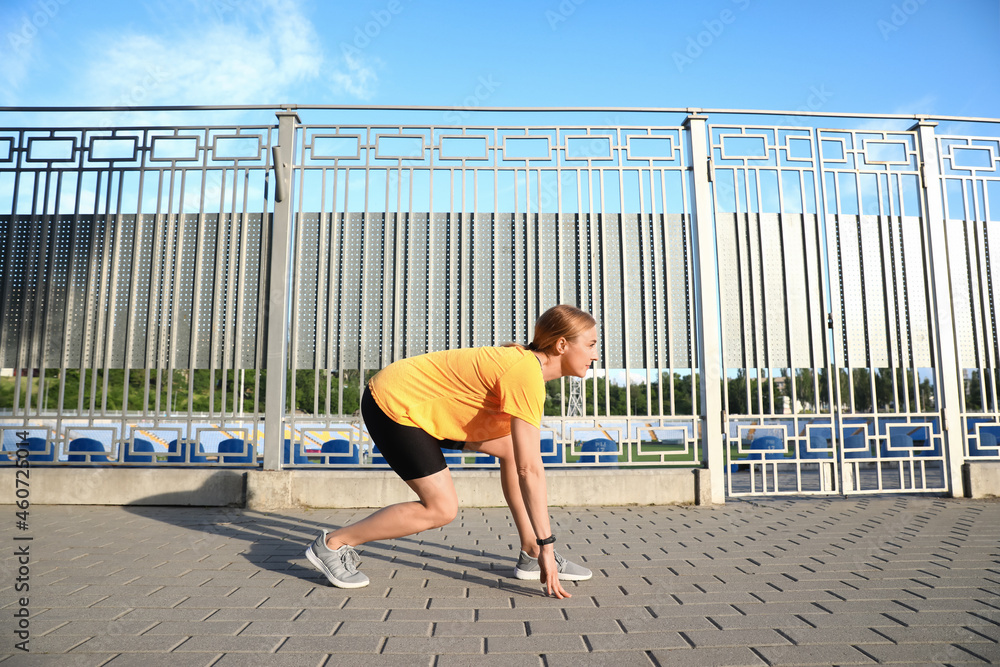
{"type": "Point", "coordinates": [476, 488]}
{"type": "Point", "coordinates": [202, 487]}
{"type": "Point", "coordinates": [265, 490]}
{"type": "Point", "coordinates": [982, 479]}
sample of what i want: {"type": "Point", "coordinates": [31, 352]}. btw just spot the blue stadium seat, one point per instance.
{"type": "Point", "coordinates": [286, 455]}
{"type": "Point", "coordinates": [556, 455]}
{"type": "Point", "coordinates": [600, 445]}
{"type": "Point", "coordinates": [987, 443]}
{"type": "Point", "coordinates": [82, 448]}
{"type": "Point", "coordinates": [817, 448]}
{"type": "Point", "coordinates": [236, 451]}
{"type": "Point", "coordinates": [762, 447]}
{"type": "Point", "coordinates": [140, 445]}
{"type": "Point", "coordinates": [39, 445]}
{"type": "Point", "coordinates": [347, 453]}
{"type": "Point", "coordinates": [856, 447]}
{"type": "Point", "coordinates": [899, 446]}
{"type": "Point", "coordinates": [179, 449]}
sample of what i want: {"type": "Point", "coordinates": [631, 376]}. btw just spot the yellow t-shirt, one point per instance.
{"type": "Point", "coordinates": [466, 395]}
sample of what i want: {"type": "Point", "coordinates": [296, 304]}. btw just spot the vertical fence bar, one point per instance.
{"type": "Point", "coordinates": [279, 249]}
{"type": "Point", "coordinates": [707, 308]}
{"type": "Point", "coordinates": [947, 350]}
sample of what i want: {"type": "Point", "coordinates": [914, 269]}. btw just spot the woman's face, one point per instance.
{"type": "Point", "coordinates": [580, 353]}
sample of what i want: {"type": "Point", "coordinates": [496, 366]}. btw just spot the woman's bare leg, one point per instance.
{"type": "Point", "coordinates": [438, 505]}
{"type": "Point", "coordinates": [503, 449]}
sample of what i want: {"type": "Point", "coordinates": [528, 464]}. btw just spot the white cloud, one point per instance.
{"type": "Point", "coordinates": [12, 75]}
{"type": "Point", "coordinates": [255, 52]}
{"type": "Point", "coordinates": [358, 80]}
{"type": "Point", "coordinates": [213, 63]}
{"type": "Point", "coordinates": [18, 51]}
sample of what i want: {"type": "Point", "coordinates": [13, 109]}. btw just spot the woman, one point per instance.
{"type": "Point", "coordinates": [486, 400]}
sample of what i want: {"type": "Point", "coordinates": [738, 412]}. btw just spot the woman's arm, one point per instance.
{"type": "Point", "coordinates": [531, 478]}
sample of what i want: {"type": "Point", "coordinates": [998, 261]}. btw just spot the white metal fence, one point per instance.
{"type": "Point", "coordinates": [801, 309]}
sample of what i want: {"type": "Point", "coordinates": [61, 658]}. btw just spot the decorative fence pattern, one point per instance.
{"type": "Point", "coordinates": [826, 287]}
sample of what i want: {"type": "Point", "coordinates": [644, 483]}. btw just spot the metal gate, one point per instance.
{"type": "Point", "coordinates": [830, 373]}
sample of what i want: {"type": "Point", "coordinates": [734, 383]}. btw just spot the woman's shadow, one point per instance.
{"type": "Point", "coordinates": [277, 543]}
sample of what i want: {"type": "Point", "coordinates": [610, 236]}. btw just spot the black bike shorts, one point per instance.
{"type": "Point", "coordinates": [411, 452]}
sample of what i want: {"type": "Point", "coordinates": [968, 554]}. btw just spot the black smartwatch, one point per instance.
{"type": "Point", "coordinates": [548, 540]}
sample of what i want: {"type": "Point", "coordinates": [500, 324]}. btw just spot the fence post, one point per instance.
{"type": "Point", "coordinates": [277, 298]}
{"type": "Point", "coordinates": [707, 324]}
{"type": "Point", "coordinates": [947, 350]}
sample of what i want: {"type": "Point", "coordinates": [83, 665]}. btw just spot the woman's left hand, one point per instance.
{"type": "Point", "coordinates": [550, 574]}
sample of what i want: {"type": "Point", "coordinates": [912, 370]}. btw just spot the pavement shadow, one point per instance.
{"type": "Point", "coordinates": [276, 542]}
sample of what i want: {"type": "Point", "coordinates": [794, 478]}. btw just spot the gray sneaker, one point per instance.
{"type": "Point", "coordinates": [528, 568]}
{"type": "Point", "coordinates": [340, 566]}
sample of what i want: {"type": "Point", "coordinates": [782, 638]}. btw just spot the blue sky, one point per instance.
{"type": "Point", "coordinates": [933, 57]}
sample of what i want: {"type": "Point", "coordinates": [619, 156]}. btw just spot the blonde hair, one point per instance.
{"type": "Point", "coordinates": [557, 322]}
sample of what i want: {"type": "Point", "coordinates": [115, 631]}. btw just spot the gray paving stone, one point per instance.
{"type": "Point", "coordinates": [707, 657]}
{"type": "Point", "coordinates": [758, 621]}
{"type": "Point", "coordinates": [212, 602]}
{"type": "Point", "coordinates": [622, 659]}
{"type": "Point", "coordinates": [839, 635]}
{"type": "Point", "coordinates": [713, 609]}
{"type": "Point", "coordinates": [287, 628]}
{"type": "Point", "coordinates": [619, 613]}
{"type": "Point", "coordinates": [730, 638]}
{"type": "Point", "coordinates": [162, 599]}
{"type": "Point", "coordinates": [332, 645]}
{"type": "Point", "coordinates": [479, 629]}
{"type": "Point", "coordinates": [930, 654]}
{"type": "Point", "coordinates": [751, 609]}
{"type": "Point", "coordinates": [668, 624]}
{"type": "Point", "coordinates": [121, 644]}
{"type": "Point", "coordinates": [191, 628]}
{"type": "Point", "coordinates": [56, 643]}
{"type": "Point", "coordinates": [229, 644]}
{"type": "Point", "coordinates": [857, 620]}
{"type": "Point", "coordinates": [92, 628]}
{"type": "Point", "coordinates": [38, 660]}
{"type": "Point", "coordinates": [941, 634]}
{"type": "Point", "coordinates": [166, 660]}
{"type": "Point", "coordinates": [608, 625]}
{"type": "Point", "coordinates": [431, 616]}
{"type": "Point", "coordinates": [815, 654]}
{"type": "Point", "coordinates": [535, 613]}
{"type": "Point", "coordinates": [384, 628]}
{"type": "Point", "coordinates": [434, 645]}
{"type": "Point", "coordinates": [496, 660]}
{"type": "Point", "coordinates": [274, 660]}
{"type": "Point", "coordinates": [317, 599]}
{"type": "Point", "coordinates": [950, 618]}
{"type": "Point", "coordinates": [638, 641]}
{"type": "Point", "coordinates": [537, 645]}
